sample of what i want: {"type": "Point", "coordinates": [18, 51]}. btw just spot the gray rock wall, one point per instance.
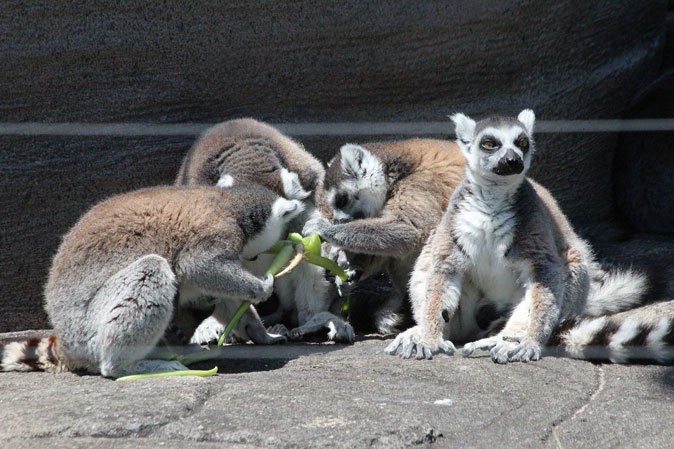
{"type": "Point", "coordinates": [176, 61]}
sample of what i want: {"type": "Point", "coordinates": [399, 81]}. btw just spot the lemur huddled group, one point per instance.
{"type": "Point", "coordinates": [481, 254]}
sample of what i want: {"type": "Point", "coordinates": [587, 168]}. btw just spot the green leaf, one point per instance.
{"type": "Point", "coordinates": [312, 244]}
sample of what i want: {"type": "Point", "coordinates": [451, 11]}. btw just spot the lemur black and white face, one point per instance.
{"type": "Point", "coordinates": [274, 228]}
{"type": "Point", "coordinates": [497, 149]}
{"type": "Point", "coordinates": [355, 184]}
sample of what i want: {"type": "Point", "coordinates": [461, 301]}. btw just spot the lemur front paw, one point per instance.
{"type": "Point", "coordinates": [484, 344]}
{"type": "Point", "coordinates": [278, 329]}
{"type": "Point", "coordinates": [265, 292]}
{"type": "Point", "coordinates": [317, 225]}
{"type": "Point", "coordinates": [504, 349]}
{"type": "Point", "coordinates": [525, 352]}
{"type": "Point", "coordinates": [414, 342]}
{"type": "Point", "coordinates": [209, 330]}
{"type": "Point", "coordinates": [340, 332]}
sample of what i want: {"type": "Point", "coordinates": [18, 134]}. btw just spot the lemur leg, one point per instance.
{"type": "Point", "coordinates": [134, 308]}
{"type": "Point", "coordinates": [220, 277]}
{"type": "Point", "coordinates": [530, 325]}
{"type": "Point", "coordinates": [577, 284]}
{"type": "Point", "coordinates": [209, 330]}
{"type": "Point", "coordinates": [324, 325]}
{"type": "Point", "coordinates": [307, 288]}
{"type": "Point", "coordinates": [507, 340]}
{"type": "Point", "coordinates": [230, 283]}
{"type": "Point", "coordinates": [442, 292]}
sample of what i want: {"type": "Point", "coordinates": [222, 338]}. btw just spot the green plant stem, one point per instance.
{"type": "Point", "coordinates": [234, 321]}
{"type": "Point", "coordinates": [278, 246]}
{"type": "Point", "coordinates": [284, 250]}
{"type": "Point", "coordinates": [200, 373]}
{"type": "Point", "coordinates": [282, 258]}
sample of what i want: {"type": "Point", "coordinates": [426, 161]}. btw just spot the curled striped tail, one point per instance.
{"type": "Point", "coordinates": [32, 354]}
{"type": "Point", "coordinates": [619, 289]}
{"type": "Point", "coordinates": [643, 334]}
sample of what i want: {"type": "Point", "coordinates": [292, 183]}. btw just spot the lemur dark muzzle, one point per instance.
{"type": "Point", "coordinates": [510, 164]}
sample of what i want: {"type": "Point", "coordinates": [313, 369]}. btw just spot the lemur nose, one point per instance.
{"type": "Point", "coordinates": [341, 199]}
{"type": "Point", "coordinates": [510, 164]}
{"type": "Point", "coordinates": [512, 161]}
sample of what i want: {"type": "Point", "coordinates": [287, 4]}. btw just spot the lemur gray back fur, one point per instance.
{"type": "Point", "coordinates": [116, 275]}
{"type": "Point", "coordinates": [504, 242]}
{"type": "Point", "coordinates": [246, 150]}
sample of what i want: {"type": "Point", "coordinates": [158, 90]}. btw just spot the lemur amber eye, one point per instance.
{"type": "Point", "coordinates": [489, 145]}
{"type": "Point", "coordinates": [522, 142]}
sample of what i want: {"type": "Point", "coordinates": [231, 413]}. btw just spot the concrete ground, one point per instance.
{"type": "Point", "coordinates": [325, 395]}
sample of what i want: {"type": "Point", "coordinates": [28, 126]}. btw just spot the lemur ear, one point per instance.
{"type": "Point", "coordinates": [355, 159]}
{"type": "Point", "coordinates": [291, 185]}
{"type": "Point", "coordinates": [465, 127]}
{"type": "Point", "coordinates": [527, 118]}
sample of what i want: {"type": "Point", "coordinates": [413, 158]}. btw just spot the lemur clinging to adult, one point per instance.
{"type": "Point", "coordinates": [504, 242]}
{"type": "Point", "coordinates": [246, 150]}
{"type": "Point", "coordinates": [384, 199]}
{"type": "Point", "coordinates": [114, 280]}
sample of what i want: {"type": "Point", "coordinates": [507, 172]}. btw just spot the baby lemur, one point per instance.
{"type": "Point", "coordinates": [113, 282]}
{"type": "Point", "coordinates": [384, 199]}
{"type": "Point", "coordinates": [504, 243]}
{"type": "Point", "coordinates": [250, 151]}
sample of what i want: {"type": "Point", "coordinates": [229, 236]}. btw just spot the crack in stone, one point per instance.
{"type": "Point", "coordinates": [510, 410]}
{"type": "Point", "coordinates": [568, 417]}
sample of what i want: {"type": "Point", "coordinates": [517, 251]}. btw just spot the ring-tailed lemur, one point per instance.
{"type": "Point", "coordinates": [504, 242]}
{"type": "Point", "coordinates": [384, 199]}
{"type": "Point", "coordinates": [114, 280]}
{"type": "Point", "coordinates": [247, 150]}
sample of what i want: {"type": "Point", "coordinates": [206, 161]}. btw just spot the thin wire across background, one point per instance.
{"type": "Point", "coordinates": [321, 128]}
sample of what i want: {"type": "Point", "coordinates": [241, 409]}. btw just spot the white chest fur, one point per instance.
{"type": "Point", "coordinates": [485, 232]}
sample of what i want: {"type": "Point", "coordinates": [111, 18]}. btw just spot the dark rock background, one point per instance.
{"type": "Point", "coordinates": [303, 61]}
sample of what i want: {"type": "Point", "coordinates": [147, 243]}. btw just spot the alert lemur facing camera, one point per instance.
{"type": "Point", "coordinates": [504, 243]}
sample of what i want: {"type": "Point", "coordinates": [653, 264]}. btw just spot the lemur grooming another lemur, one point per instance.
{"type": "Point", "coordinates": [114, 280]}
{"type": "Point", "coordinates": [249, 151]}
{"type": "Point", "coordinates": [382, 200]}
{"type": "Point", "coordinates": [503, 242]}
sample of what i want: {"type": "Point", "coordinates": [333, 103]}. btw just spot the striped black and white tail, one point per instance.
{"type": "Point", "coordinates": [33, 354]}
{"type": "Point", "coordinates": [643, 334]}
{"type": "Point", "coordinates": [619, 289]}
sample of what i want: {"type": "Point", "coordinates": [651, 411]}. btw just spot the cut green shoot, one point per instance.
{"type": "Point", "coordinates": [191, 372]}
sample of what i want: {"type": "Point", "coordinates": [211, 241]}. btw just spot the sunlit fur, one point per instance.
{"type": "Point", "coordinates": [504, 241]}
